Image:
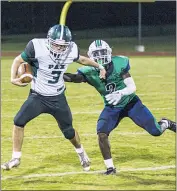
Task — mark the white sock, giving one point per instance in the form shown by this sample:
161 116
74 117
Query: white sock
164 125
79 150
109 163
16 154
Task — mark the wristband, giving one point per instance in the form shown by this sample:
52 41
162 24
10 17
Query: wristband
100 67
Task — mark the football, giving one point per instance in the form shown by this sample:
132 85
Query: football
25 71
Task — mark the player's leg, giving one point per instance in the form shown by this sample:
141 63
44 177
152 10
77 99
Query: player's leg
31 108
63 116
141 115
108 120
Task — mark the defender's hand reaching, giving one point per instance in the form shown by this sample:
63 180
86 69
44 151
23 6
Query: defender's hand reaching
102 72
114 97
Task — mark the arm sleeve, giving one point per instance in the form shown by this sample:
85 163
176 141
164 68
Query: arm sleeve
76 78
28 54
130 86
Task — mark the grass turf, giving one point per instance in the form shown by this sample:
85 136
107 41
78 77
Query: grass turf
45 151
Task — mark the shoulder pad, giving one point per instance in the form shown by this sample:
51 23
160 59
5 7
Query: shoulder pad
122 62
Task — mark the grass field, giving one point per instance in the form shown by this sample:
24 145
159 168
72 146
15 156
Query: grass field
49 162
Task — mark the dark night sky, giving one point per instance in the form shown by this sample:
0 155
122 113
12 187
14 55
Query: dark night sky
82 15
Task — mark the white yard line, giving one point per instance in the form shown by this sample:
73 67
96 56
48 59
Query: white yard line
90 172
150 76
87 96
94 112
82 135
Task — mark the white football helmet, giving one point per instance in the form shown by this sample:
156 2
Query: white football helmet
100 52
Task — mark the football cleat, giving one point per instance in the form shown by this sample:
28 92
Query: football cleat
84 160
171 124
110 171
11 164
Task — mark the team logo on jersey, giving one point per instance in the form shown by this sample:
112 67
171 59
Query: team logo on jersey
61 66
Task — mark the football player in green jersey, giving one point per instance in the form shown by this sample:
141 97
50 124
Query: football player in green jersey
118 93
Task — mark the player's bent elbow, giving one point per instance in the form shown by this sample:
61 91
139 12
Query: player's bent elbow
83 60
131 89
134 88
18 59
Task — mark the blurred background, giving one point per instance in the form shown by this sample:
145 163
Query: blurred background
123 25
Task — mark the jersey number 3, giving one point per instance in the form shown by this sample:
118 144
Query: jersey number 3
111 87
55 78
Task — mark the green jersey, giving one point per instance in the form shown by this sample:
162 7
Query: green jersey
114 81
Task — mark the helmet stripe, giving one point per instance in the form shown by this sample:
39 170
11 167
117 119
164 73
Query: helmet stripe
62 32
98 43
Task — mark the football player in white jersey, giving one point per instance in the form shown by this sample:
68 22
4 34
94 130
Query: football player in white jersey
49 59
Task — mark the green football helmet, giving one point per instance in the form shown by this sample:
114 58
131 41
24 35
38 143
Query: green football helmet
59 39
100 52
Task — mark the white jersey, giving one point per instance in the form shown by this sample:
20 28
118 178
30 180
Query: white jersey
48 73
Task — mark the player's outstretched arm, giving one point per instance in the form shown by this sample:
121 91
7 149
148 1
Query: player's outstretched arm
88 62
76 78
14 68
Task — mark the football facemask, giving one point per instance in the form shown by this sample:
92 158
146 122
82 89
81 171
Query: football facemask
100 52
100 56
57 48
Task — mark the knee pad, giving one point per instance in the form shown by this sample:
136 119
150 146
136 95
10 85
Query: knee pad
18 121
69 132
102 127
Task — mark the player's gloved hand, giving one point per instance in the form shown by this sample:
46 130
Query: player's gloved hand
17 82
102 72
114 97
